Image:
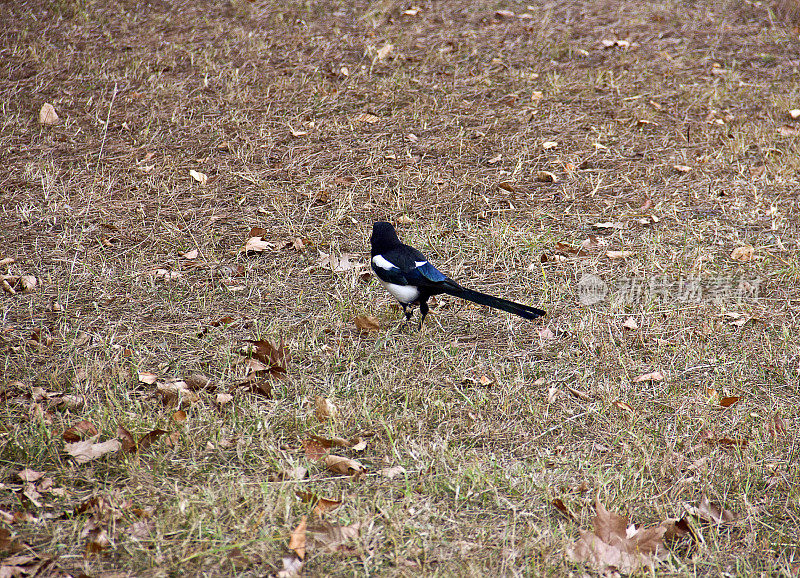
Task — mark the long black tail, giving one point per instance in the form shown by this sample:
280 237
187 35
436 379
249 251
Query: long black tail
524 311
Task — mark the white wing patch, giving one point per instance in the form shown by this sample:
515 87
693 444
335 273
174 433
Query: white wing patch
379 261
420 263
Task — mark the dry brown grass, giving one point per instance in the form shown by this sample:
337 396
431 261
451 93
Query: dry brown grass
220 88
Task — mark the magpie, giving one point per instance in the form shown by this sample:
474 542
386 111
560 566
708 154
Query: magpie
410 278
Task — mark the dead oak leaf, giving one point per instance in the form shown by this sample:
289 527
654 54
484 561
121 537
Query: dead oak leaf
331 537
255 245
712 512
339 263
615 545
275 357
87 450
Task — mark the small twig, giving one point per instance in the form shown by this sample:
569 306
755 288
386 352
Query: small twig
105 129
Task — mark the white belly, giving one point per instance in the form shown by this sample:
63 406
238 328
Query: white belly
403 293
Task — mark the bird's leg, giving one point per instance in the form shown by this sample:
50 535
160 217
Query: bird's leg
423 309
408 312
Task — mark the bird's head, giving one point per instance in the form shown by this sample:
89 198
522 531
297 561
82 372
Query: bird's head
383 237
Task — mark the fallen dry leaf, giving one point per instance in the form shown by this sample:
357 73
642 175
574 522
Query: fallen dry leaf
367 118
330 537
296 473
743 253
342 465
712 512
149 438
776 427
570 250
321 505
546 177
192 254
726 442
559 505
28 475
384 52
78 431
88 450
255 245
788 130
297 542
615 545
367 323
340 263
577 393
176 392
682 168
609 225
624 407
314 449
653 376
223 398
126 439
8 545
275 357
195 382
729 401
201 178
324 409
292 567
47 114
549 145
97 538
391 472
147 377
618 254
630 323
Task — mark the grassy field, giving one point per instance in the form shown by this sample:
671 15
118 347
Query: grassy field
540 151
